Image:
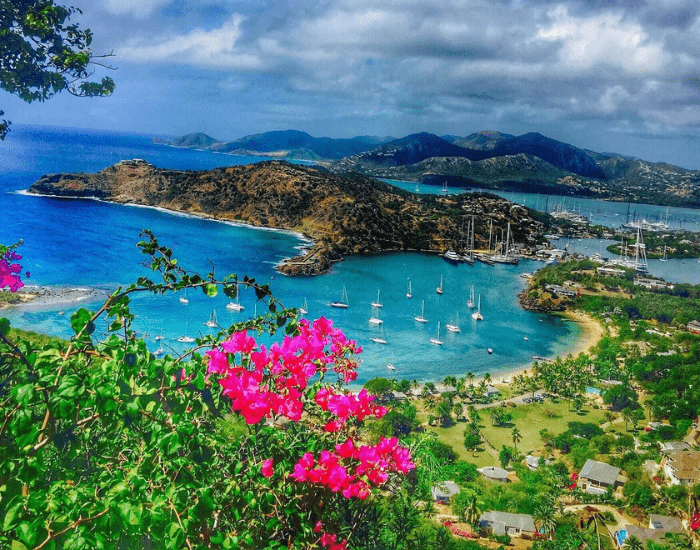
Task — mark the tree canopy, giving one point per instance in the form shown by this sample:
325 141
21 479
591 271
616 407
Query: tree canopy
42 53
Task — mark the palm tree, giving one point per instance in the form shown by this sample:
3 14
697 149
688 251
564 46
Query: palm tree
516 436
633 543
627 415
544 518
472 514
470 377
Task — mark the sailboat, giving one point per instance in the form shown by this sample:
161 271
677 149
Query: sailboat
421 318
437 340
439 288
303 310
664 258
185 338
236 304
379 339
390 366
160 351
455 327
469 258
375 319
444 187
183 299
377 303
408 292
470 302
477 316
212 322
343 303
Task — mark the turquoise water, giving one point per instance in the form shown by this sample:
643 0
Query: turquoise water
594 391
621 536
88 243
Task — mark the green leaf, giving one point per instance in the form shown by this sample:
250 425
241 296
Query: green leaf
13 514
23 394
4 326
210 290
79 319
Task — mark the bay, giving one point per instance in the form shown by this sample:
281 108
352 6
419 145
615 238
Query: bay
88 243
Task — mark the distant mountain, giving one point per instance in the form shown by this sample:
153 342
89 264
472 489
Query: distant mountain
198 141
559 154
285 144
407 150
485 140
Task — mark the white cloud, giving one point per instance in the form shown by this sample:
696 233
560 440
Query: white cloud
216 48
604 39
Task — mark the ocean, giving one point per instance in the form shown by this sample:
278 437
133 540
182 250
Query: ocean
85 243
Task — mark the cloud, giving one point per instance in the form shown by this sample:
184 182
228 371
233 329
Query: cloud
215 48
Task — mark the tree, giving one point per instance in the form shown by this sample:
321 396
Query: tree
472 438
621 397
516 436
43 54
506 456
544 519
633 543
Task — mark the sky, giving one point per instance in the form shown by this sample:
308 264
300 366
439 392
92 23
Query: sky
610 76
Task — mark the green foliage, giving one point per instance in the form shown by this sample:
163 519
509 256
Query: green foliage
379 386
621 397
585 429
105 446
42 53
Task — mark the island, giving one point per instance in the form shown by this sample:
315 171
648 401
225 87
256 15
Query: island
342 214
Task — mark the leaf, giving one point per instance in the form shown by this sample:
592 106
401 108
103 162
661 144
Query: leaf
210 290
23 394
13 514
4 326
79 319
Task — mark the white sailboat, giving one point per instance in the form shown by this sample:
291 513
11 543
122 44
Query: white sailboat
470 303
437 340
375 319
439 288
183 299
212 322
421 318
455 327
390 366
343 303
477 316
236 304
377 303
379 339
160 351
185 338
409 293
664 258
303 310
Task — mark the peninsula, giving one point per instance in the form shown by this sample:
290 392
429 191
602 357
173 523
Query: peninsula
342 214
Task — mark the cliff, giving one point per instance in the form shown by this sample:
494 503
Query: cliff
342 214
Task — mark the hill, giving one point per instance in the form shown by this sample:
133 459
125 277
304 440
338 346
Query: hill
284 144
343 214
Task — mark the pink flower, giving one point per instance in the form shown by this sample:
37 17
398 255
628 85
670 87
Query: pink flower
268 467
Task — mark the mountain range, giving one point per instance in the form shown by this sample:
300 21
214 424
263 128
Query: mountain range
489 159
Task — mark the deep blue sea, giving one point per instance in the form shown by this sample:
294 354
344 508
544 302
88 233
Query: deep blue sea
93 244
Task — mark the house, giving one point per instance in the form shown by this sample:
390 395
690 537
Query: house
682 467
595 477
444 491
504 523
605 271
495 473
490 391
396 396
694 327
533 462
658 527
668 447
444 388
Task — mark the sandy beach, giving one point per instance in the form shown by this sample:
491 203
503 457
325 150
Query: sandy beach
591 333
43 297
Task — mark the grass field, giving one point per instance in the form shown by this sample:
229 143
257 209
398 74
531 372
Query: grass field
529 419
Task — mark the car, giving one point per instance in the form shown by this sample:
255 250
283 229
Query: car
527 400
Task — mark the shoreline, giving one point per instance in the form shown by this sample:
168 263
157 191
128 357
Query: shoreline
47 297
592 332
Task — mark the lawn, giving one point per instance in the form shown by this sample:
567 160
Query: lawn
529 419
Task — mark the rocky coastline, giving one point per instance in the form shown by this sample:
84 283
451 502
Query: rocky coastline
341 214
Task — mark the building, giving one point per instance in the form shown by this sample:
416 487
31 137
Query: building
595 477
658 527
495 473
694 327
668 447
682 467
504 523
442 492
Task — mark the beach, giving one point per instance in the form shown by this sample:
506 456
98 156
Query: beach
43 297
